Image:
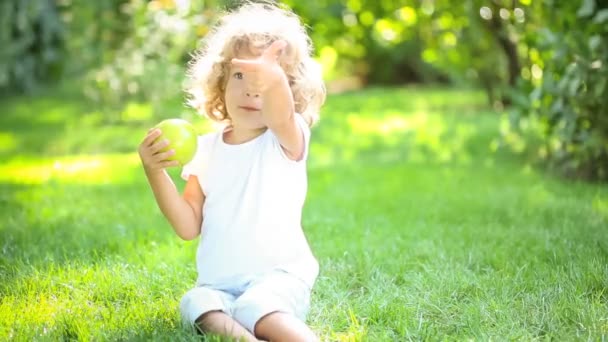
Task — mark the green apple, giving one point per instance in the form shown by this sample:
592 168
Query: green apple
182 138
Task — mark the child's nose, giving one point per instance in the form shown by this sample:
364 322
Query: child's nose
249 94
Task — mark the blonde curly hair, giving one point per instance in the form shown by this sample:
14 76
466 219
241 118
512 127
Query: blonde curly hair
255 26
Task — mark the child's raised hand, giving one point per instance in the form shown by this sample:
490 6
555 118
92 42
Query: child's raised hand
150 152
263 72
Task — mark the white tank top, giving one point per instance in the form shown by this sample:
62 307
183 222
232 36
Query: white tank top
254 196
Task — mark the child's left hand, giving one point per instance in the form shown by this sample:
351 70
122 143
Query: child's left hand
264 72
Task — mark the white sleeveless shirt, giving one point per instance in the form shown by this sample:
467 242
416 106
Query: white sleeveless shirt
252 213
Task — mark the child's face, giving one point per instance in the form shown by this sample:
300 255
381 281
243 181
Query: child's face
243 107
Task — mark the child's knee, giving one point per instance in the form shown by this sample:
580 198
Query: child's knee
278 293
199 301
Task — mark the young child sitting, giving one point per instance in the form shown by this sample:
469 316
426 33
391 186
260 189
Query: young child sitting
247 183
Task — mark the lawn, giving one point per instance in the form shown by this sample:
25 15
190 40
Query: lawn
424 227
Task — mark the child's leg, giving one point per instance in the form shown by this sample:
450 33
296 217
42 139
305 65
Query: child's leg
217 322
274 308
280 326
206 310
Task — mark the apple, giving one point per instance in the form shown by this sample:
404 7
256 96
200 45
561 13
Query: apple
182 138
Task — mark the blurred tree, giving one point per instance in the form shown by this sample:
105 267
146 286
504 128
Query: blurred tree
149 63
31 37
94 30
562 97
476 42
379 42
430 41
547 58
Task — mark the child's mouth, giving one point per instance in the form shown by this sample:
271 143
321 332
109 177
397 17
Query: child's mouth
249 109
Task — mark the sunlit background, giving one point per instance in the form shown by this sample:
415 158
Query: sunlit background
540 65
463 144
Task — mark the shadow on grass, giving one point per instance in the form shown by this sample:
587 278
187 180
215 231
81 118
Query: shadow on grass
49 225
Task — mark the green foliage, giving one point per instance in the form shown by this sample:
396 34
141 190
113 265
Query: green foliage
464 43
149 63
547 58
567 107
380 42
95 29
386 42
31 41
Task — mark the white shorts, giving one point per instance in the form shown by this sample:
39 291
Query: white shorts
249 301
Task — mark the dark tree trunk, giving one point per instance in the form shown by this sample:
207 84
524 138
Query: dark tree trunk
508 46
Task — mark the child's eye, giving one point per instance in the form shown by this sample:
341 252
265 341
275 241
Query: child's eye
238 75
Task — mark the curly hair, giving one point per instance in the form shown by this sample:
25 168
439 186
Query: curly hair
255 26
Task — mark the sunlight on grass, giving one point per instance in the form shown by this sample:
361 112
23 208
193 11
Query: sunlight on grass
393 125
538 195
416 136
356 331
600 206
86 169
392 122
8 142
43 301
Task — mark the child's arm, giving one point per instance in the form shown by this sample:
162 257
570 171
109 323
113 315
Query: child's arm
266 77
278 113
184 213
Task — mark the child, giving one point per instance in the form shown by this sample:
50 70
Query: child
247 182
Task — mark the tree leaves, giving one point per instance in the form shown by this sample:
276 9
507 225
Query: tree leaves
31 35
586 9
601 16
573 102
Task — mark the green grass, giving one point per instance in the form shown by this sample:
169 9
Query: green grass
421 230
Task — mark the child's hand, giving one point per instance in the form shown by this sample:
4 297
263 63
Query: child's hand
263 72
150 152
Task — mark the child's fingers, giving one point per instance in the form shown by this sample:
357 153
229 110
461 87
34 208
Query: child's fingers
245 64
274 50
159 145
152 135
161 156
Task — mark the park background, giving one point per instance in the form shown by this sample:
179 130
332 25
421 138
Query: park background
457 178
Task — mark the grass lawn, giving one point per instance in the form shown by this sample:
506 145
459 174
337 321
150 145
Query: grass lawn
423 229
